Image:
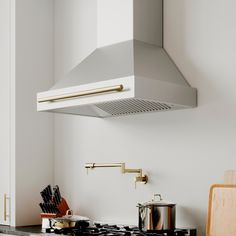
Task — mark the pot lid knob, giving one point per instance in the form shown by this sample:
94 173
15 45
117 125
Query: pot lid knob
157 195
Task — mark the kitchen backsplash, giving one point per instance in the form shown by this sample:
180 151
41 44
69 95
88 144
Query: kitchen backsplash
183 152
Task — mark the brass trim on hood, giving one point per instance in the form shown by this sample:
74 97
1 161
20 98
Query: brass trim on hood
115 88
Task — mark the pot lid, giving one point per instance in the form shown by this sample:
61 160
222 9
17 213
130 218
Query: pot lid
158 201
71 218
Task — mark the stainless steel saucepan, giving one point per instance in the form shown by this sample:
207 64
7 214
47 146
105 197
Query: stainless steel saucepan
157 215
68 221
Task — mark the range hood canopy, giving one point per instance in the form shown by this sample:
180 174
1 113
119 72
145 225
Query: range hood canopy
127 77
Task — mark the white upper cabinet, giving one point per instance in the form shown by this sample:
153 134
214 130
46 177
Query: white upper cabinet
5 110
26 136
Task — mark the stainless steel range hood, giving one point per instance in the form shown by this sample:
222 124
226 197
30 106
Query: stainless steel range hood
129 77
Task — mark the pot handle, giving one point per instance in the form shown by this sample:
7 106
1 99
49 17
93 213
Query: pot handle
69 212
139 205
157 195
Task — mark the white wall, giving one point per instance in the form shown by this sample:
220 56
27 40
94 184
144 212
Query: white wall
183 151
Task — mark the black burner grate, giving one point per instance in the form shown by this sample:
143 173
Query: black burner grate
114 230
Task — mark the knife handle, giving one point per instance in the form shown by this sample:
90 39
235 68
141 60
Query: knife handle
49 190
43 197
56 195
58 192
42 207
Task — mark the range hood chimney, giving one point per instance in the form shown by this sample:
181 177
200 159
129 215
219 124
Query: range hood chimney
128 73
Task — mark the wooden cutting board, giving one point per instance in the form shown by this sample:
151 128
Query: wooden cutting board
222 210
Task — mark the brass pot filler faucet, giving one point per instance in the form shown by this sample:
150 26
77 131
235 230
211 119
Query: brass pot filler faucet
139 178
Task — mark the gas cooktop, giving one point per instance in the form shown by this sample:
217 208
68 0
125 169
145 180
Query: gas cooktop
115 230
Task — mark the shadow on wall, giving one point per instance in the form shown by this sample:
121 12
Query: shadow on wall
186 40
196 215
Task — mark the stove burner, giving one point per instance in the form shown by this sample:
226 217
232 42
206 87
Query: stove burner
114 230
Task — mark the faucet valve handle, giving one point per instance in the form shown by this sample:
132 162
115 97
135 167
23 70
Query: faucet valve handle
143 179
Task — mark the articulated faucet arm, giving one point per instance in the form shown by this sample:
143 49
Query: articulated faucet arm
139 178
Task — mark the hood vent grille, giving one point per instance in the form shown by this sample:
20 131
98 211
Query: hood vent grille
132 106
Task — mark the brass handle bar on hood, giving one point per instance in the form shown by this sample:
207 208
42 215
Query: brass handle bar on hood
115 88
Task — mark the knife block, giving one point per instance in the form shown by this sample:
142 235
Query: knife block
62 208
